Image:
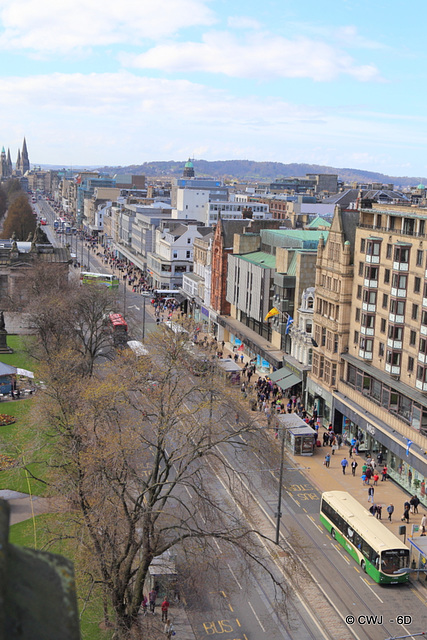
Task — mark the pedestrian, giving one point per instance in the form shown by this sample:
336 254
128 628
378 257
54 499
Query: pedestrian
169 630
368 474
414 502
237 419
165 608
423 525
344 464
380 457
375 478
353 467
327 460
406 509
390 510
372 509
144 605
350 452
371 494
325 438
363 478
378 511
384 473
152 597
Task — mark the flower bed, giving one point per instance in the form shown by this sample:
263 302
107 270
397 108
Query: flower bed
7 462
6 419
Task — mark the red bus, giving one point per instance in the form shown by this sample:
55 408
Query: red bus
119 328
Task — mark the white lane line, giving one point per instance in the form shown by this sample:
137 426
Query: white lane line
382 601
234 576
343 557
254 612
188 491
318 527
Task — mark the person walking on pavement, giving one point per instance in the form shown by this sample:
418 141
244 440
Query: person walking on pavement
353 467
344 464
414 502
390 510
384 473
169 630
152 597
423 525
327 460
406 508
165 608
378 511
371 494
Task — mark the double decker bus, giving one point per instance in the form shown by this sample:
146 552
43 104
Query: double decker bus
374 547
107 279
119 328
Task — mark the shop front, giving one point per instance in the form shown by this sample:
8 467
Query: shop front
321 400
405 461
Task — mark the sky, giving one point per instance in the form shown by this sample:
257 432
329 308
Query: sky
339 83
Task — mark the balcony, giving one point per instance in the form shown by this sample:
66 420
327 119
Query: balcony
421 386
400 266
423 330
395 319
422 357
392 369
424 302
394 344
366 355
372 259
369 307
370 284
398 293
367 331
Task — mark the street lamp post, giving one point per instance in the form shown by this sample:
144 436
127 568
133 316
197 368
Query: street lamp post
279 502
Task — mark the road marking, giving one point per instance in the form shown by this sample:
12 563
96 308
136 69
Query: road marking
223 593
245 636
238 623
231 608
364 580
318 527
217 545
133 306
234 576
254 612
343 557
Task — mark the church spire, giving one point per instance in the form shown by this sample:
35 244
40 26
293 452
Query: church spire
25 161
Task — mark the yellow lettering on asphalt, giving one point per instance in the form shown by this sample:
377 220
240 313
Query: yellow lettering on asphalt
210 628
225 626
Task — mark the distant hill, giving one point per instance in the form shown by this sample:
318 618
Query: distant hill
258 171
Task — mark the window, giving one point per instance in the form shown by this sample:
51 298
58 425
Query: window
358 315
323 340
362 245
334 375
188 240
373 248
175 254
410 363
188 254
385 301
361 268
412 338
395 332
371 273
401 254
424 317
414 311
417 285
386 276
369 297
393 358
335 343
397 307
366 344
359 291
383 325
420 254
399 281
381 349
356 337
389 250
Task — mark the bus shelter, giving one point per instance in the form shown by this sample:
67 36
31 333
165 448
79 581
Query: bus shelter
299 436
163 577
418 551
230 369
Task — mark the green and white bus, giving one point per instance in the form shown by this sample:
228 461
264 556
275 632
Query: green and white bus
374 547
106 279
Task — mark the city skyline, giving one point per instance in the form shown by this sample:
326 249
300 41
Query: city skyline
332 84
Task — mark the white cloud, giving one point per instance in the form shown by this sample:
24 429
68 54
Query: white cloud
66 25
243 22
265 56
120 118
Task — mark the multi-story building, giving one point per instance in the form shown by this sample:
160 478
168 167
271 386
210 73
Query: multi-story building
378 389
196 286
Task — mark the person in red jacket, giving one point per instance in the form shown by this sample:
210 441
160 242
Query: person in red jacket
165 608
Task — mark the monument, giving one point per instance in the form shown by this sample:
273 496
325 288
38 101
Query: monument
3 336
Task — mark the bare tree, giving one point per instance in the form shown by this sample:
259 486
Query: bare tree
133 449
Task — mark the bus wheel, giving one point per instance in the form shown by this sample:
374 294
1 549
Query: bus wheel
363 565
333 534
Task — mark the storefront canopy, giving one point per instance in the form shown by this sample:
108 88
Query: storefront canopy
284 378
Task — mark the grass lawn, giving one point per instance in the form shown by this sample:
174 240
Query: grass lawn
20 357
22 534
13 440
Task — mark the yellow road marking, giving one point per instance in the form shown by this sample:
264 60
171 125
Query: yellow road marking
223 594
231 608
238 623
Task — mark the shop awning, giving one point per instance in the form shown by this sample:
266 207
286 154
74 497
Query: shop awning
284 378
